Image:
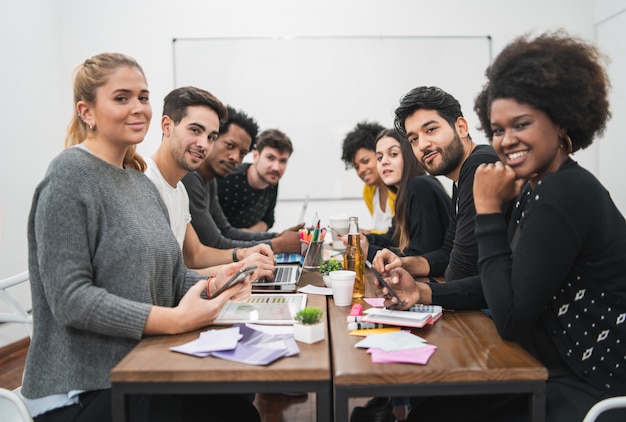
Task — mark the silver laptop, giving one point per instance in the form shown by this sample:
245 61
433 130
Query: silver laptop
286 277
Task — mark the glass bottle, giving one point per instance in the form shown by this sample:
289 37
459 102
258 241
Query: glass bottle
354 259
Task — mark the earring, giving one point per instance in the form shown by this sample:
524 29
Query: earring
91 127
567 143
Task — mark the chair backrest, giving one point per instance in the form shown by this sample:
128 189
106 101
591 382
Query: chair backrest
12 408
604 405
18 314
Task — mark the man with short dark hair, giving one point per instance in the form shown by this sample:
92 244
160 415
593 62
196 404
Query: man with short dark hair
432 121
248 194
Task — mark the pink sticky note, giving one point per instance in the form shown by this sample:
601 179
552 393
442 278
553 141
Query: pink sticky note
419 356
377 302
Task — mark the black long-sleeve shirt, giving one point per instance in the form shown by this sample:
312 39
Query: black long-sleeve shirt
208 219
458 256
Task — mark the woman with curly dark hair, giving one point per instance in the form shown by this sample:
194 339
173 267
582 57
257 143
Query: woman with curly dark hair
557 283
555 278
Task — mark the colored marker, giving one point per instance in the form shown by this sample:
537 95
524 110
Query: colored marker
363 325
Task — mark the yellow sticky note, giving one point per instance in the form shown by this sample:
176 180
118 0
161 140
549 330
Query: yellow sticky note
366 332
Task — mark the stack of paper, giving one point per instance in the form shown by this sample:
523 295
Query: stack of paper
412 318
398 346
241 344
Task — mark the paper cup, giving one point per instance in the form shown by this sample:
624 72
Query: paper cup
342 282
339 224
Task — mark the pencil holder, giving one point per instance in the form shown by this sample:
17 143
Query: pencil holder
313 253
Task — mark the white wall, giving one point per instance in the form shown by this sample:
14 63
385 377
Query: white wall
610 36
41 41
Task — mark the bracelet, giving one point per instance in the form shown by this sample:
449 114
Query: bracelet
235 259
208 286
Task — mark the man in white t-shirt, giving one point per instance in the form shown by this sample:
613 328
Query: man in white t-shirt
190 125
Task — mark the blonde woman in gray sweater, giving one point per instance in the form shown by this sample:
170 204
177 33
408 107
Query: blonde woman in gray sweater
105 267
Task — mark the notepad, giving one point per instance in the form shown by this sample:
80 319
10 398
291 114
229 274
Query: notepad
403 318
263 309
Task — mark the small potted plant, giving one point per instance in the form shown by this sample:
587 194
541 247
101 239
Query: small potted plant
308 327
327 267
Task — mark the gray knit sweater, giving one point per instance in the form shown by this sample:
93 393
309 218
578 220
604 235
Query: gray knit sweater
101 252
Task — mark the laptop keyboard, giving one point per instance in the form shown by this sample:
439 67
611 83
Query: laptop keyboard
283 274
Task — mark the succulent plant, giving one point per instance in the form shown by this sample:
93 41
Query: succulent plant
330 265
308 316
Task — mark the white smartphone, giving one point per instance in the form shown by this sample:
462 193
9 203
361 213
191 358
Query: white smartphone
238 277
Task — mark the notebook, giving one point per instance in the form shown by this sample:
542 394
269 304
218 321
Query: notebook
286 277
416 317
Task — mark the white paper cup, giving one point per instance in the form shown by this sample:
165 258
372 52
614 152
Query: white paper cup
342 282
339 224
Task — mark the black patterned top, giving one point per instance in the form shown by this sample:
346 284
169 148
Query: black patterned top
562 267
243 205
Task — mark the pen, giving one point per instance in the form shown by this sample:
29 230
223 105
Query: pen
316 232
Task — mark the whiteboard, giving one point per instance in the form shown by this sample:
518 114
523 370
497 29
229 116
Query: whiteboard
316 89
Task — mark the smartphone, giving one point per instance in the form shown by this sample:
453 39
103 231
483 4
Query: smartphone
238 277
382 281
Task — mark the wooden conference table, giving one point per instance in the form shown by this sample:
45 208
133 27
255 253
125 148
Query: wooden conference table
471 359
151 368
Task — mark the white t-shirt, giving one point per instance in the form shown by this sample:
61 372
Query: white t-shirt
176 200
382 219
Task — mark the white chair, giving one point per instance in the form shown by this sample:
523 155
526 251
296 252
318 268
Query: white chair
18 314
14 409
604 405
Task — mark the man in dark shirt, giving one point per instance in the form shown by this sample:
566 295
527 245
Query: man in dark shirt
432 121
248 194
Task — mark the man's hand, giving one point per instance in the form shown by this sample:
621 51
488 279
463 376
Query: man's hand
385 261
264 265
261 248
287 242
292 229
405 286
